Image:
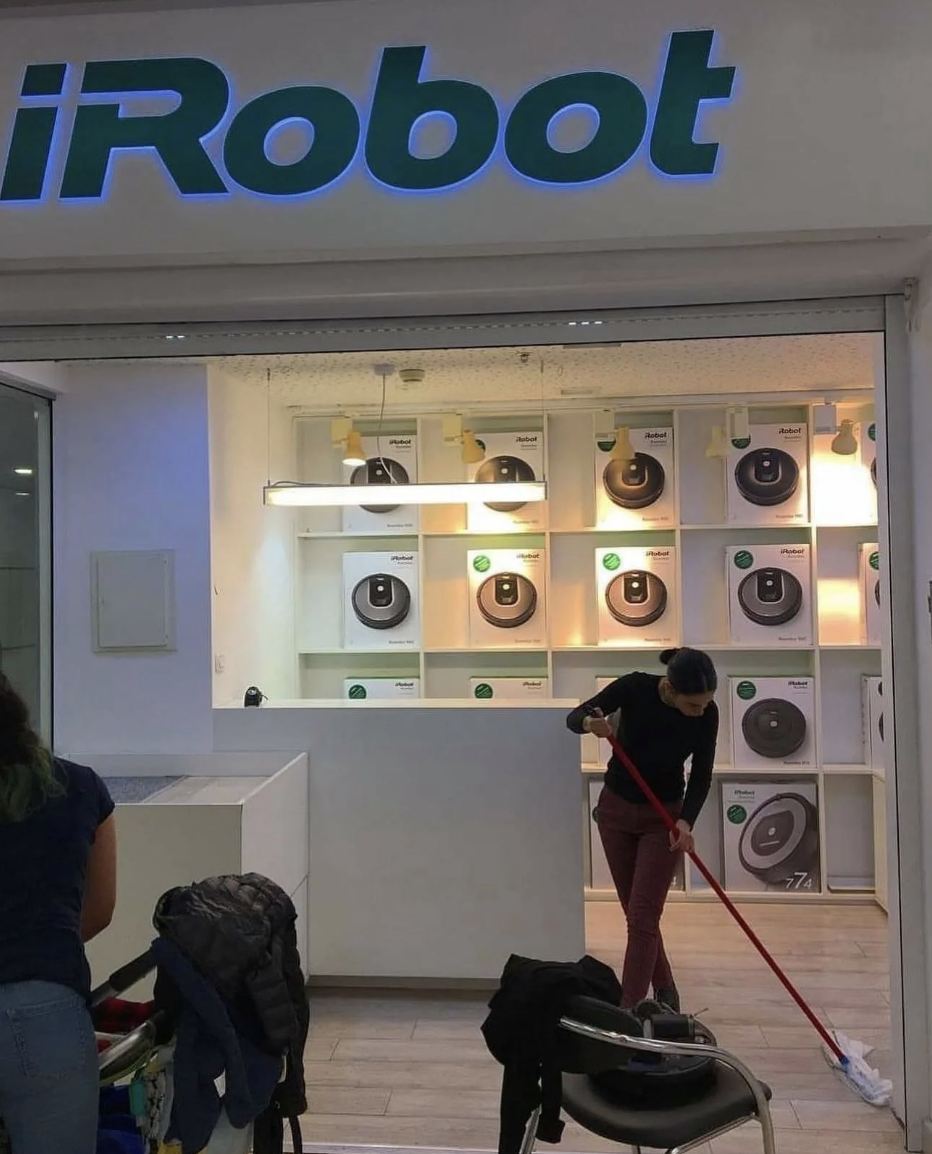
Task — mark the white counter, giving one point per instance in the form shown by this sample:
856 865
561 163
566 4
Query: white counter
442 836
251 820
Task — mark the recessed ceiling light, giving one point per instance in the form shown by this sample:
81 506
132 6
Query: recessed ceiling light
23 472
21 494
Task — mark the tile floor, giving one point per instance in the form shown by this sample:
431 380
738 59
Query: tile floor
412 1070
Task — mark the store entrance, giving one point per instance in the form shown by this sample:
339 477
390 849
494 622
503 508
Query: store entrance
298 613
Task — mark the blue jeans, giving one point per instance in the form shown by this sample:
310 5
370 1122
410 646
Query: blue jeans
48 1070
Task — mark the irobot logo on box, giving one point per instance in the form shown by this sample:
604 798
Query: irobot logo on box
74 120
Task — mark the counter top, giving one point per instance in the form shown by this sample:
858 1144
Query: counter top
145 790
426 703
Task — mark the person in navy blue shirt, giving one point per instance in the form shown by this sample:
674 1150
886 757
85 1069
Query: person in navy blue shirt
57 891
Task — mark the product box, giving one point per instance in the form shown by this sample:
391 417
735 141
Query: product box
869 571
772 722
388 458
767 476
508 457
381 601
872 720
769 595
382 688
509 688
507 597
770 832
640 493
636 588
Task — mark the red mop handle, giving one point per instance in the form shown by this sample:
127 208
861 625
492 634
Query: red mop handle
726 900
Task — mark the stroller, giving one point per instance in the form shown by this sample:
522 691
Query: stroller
135 1043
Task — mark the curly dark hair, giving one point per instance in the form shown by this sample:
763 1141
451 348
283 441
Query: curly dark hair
27 772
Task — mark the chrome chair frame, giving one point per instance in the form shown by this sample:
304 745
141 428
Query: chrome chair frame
761 1113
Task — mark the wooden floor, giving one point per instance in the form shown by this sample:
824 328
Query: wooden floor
403 1070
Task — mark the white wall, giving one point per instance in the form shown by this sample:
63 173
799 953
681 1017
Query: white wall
130 471
252 547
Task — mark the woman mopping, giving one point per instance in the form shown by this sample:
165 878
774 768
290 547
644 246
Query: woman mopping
661 722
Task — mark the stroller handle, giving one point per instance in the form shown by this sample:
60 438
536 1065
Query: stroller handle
123 978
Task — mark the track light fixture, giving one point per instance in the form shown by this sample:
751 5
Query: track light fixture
845 444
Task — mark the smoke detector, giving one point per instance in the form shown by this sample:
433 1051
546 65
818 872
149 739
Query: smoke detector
409 377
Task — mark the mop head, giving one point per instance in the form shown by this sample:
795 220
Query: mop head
857 1072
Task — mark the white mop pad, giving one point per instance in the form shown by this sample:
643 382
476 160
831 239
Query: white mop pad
857 1072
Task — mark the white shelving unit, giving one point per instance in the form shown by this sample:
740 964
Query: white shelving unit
843 515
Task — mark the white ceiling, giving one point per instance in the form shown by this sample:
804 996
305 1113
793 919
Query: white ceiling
564 375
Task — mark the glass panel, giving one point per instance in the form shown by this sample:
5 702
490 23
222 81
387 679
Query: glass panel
24 541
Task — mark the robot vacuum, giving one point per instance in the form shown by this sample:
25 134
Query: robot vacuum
880 718
780 838
634 484
874 472
381 601
774 728
770 596
767 477
504 470
507 600
636 598
877 590
379 471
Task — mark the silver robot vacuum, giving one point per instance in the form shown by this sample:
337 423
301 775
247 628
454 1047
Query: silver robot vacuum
381 601
634 484
379 471
780 838
767 477
636 598
504 470
770 596
507 600
774 728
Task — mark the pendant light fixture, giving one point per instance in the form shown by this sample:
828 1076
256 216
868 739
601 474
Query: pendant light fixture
344 436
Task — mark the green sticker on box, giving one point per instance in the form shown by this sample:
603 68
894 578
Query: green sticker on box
744 559
481 564
484 690
611 561
357 692
746 690
874 560
737 814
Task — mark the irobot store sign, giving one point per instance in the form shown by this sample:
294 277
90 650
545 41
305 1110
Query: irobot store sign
62 145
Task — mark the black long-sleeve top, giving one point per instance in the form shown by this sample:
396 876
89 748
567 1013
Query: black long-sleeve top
658 739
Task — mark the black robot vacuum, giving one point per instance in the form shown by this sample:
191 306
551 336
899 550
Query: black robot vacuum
880 718
770 596
634 484
874 472
877 590
379 471
780 838
636 598
504 470
507 600
767 476
381 601
774 728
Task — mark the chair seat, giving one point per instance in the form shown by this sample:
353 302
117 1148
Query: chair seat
716 1108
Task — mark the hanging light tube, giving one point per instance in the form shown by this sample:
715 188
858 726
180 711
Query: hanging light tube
447 493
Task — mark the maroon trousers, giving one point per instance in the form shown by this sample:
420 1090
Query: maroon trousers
637 846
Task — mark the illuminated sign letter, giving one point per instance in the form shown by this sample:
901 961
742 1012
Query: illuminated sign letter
401 100
101 129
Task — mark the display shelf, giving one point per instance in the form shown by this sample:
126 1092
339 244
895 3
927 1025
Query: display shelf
841 515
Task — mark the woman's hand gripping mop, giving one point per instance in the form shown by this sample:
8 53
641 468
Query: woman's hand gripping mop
844 1055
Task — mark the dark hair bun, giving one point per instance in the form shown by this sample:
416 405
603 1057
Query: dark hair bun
690 671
